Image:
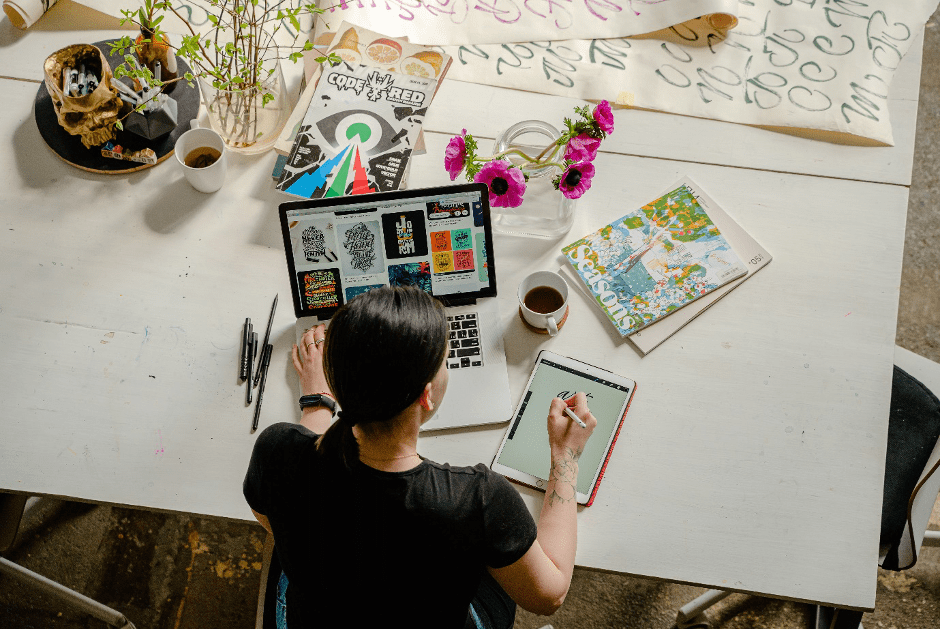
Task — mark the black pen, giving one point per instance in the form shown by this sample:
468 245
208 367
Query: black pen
248 351
264 343
253 351
265 360
243 365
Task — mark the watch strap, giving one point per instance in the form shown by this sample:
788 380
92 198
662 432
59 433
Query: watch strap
318 399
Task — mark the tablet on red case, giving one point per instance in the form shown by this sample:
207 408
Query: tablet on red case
524 453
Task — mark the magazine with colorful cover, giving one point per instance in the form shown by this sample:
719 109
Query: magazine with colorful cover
654 260
359 46
748 249
358 133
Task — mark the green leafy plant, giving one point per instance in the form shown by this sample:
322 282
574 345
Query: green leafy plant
236 56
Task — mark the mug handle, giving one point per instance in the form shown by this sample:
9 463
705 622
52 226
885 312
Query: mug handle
551 326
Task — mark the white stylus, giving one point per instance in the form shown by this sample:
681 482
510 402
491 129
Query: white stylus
569 412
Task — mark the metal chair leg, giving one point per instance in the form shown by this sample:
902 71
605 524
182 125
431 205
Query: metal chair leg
70 597
835 618
691 614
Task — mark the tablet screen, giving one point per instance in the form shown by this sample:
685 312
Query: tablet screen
527 443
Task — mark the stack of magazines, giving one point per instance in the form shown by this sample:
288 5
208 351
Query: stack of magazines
654 270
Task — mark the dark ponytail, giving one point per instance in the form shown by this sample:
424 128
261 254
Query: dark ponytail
381 349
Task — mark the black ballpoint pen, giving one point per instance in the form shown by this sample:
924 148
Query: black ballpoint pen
263 370
243 356
248 351
264 343
252 352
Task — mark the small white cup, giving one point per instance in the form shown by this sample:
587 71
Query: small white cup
209 178
542 309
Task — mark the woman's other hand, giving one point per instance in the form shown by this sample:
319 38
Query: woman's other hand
308 362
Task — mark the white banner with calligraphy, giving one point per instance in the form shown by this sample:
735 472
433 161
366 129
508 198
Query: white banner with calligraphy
449 22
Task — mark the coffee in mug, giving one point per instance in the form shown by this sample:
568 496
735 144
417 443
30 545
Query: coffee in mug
202 156
543 299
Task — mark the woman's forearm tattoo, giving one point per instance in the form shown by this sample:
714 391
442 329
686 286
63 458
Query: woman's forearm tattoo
563 475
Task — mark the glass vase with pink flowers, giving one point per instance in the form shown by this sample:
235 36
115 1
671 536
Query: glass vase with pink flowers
536 172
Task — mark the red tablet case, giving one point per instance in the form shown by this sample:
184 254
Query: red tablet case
604 466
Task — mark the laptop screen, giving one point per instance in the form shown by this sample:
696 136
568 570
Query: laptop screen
438 239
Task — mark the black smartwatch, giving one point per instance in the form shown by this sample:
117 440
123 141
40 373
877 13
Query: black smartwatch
318 399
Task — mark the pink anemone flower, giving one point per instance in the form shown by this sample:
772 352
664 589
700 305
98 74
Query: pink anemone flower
603 116
506 184
582 148
454 155
576 180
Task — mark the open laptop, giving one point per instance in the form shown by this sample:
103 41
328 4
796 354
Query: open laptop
438 239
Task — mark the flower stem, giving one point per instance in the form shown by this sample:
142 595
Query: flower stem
509 152
532 160
554 146
558 165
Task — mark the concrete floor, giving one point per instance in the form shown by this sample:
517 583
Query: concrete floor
170 571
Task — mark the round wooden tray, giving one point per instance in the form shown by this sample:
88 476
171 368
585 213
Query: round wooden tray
70 148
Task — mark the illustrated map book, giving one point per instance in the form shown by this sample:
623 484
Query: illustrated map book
655 260
358 134
748 249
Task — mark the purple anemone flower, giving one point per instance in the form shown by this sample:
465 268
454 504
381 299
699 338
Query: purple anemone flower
603 116
455 154
506 184
582 148
576 180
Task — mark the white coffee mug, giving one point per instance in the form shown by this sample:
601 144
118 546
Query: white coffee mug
544 299
207 178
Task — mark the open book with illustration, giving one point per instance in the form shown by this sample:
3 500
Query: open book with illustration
654 260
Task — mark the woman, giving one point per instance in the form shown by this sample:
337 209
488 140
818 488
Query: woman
367 532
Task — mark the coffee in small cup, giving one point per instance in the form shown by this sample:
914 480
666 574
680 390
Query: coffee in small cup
202 156
543 299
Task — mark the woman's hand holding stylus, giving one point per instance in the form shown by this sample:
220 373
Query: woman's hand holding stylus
566 437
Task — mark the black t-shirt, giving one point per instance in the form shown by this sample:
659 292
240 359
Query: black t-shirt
370 546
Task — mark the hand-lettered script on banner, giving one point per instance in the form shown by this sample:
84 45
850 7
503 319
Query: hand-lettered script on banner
448 22
825 65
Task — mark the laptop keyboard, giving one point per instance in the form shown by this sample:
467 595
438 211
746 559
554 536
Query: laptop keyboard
464 342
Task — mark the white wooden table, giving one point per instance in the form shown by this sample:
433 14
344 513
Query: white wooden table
753 454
